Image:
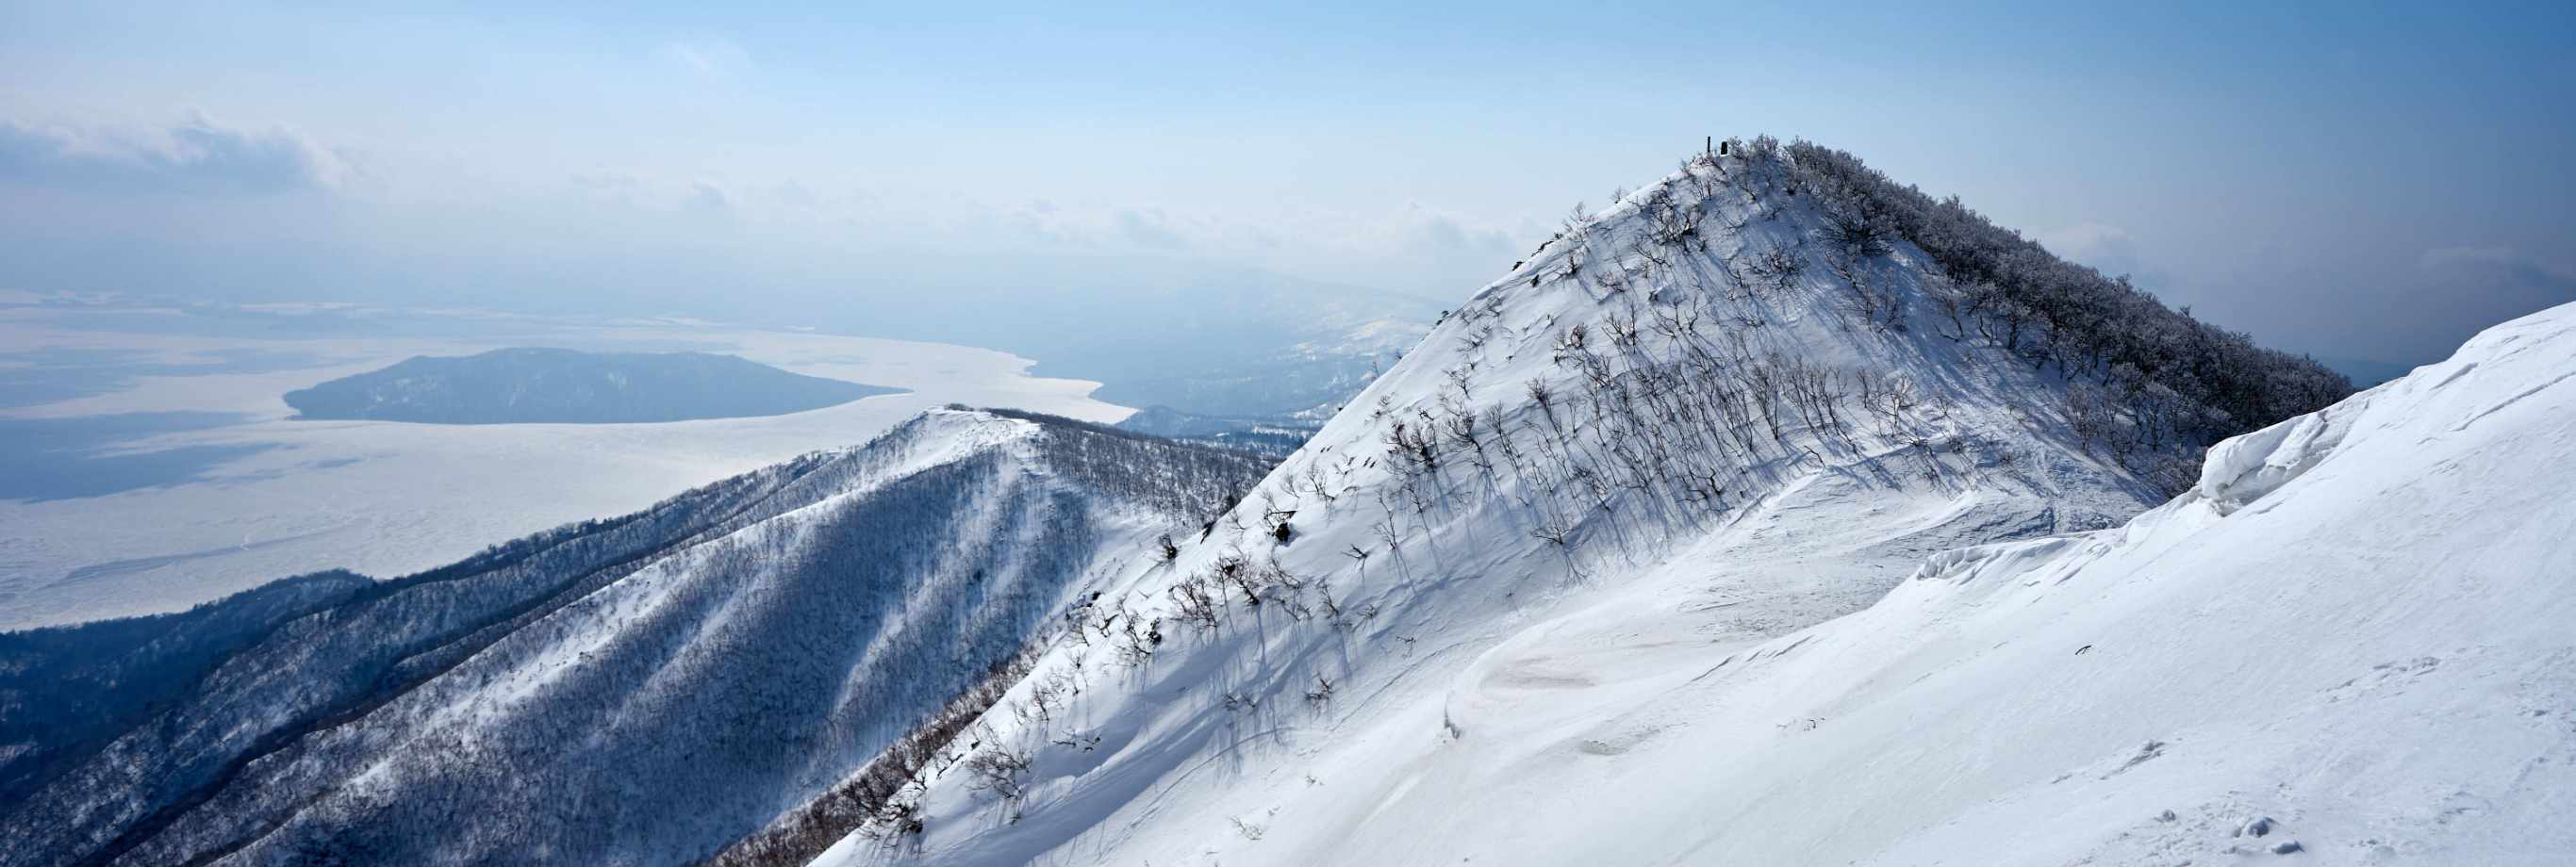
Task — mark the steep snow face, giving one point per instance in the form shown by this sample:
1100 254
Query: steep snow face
2352 639
1453 623
643 690
2349 643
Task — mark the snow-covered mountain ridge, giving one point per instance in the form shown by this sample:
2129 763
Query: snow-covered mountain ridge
1611 568
2349 642
645 689
1499 603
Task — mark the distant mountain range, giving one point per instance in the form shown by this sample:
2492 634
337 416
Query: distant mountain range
2366 372
1276 436
1335 352
526 385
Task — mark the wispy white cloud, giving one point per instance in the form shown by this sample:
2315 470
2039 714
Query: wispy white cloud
1148 228
709 56
707 197
198 155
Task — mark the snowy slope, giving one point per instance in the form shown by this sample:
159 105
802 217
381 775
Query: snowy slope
639 690
2354 632
2356 628
1519 569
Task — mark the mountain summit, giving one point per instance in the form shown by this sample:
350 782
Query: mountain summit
1506 598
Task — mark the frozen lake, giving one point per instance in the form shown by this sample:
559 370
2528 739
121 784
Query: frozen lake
152 466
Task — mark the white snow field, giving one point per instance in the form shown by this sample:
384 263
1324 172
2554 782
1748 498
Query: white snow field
390 498
1655 602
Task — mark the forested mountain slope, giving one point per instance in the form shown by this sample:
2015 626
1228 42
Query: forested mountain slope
642 690
1467 618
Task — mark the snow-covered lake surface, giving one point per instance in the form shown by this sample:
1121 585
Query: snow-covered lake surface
154 466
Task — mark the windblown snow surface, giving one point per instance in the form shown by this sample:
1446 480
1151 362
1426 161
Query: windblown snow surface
1910 638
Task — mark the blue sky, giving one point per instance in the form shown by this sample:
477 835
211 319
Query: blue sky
2357 182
